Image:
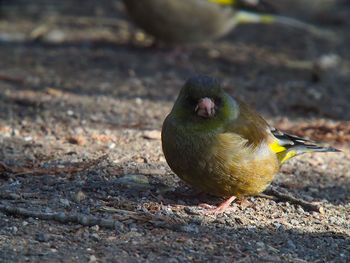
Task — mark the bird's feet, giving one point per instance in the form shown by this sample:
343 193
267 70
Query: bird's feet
214 210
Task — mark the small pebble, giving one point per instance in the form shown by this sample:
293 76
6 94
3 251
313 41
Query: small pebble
55 36
277 225
14 196
95 236
65 202
86 210
31 220
92 259
291 244
14 229
260 244
80 196
189 228
294 222
138 181
48 210
138 101
42 237
191 210
27 138
112 145
328 61
95 228
152 135
196 221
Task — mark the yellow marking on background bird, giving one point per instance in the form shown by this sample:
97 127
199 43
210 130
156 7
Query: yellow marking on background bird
243 17
223 2
268 19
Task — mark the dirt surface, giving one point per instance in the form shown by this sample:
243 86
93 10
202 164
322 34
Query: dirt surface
83 95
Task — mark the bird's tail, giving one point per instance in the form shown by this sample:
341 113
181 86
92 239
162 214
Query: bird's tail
251 17
287 146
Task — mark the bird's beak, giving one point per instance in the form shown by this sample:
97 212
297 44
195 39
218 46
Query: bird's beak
205 108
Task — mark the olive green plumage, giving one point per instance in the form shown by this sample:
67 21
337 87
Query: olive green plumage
181 21
189 21
233 152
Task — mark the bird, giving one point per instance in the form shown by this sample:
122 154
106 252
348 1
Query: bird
193 21
220 145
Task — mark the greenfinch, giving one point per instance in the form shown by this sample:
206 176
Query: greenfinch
189 21
221 146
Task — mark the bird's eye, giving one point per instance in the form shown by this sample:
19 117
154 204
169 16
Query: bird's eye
217 101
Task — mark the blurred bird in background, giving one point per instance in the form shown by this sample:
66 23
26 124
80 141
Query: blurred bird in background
190 21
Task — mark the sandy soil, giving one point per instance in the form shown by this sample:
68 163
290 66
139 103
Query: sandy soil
82 176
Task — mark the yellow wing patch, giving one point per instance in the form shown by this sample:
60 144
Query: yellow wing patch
276 148
288 156
281 152
223 2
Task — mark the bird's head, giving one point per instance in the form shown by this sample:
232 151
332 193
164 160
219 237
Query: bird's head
203 105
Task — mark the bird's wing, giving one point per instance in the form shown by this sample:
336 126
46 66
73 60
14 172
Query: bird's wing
250 125
287 146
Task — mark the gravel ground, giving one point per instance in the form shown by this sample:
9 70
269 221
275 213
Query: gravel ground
83 95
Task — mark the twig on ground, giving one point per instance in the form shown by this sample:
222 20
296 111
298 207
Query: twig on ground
162 221
5 168
62 218
19 171
282 197
7 78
